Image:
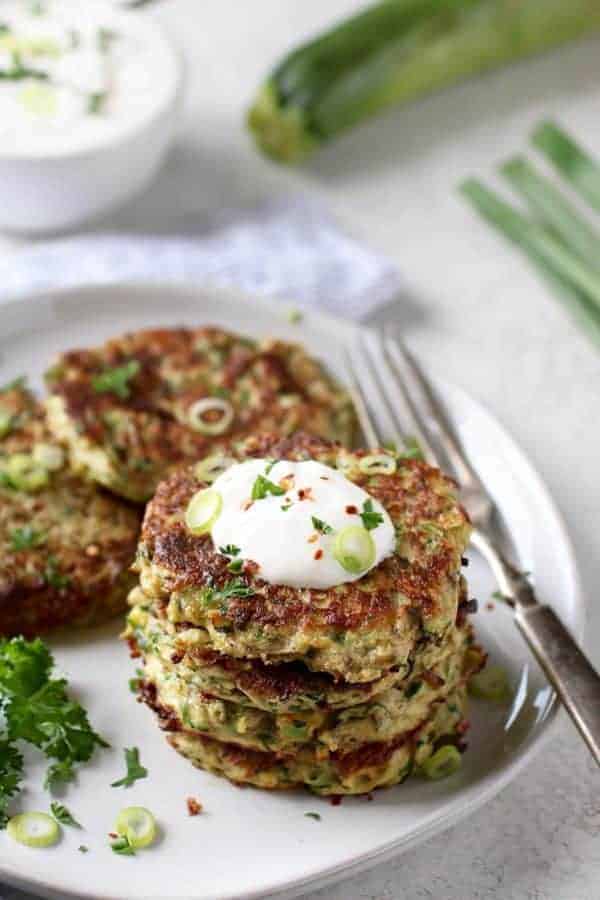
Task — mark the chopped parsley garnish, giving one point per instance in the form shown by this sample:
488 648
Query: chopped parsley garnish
270 464
116 381
122 846
413 689
287 506
134 683
106 36
83 849
62 815
36 708
6 481
135 770
262 486
229 550
313 815
96 102
236 565
411 449
234 588
14 385
37 8
370 517
53 576
19 72
6 423
321 526
26 538
11 775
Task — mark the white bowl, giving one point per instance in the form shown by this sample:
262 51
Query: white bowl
48 189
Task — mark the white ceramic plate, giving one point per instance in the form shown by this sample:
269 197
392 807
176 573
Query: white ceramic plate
249 843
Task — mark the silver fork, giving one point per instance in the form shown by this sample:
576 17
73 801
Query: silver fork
390 370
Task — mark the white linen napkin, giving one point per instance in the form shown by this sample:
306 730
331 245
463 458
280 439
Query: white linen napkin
291 249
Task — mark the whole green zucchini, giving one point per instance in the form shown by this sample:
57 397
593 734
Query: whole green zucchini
397 50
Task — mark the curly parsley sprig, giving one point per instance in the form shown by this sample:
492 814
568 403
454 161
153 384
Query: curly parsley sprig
37 709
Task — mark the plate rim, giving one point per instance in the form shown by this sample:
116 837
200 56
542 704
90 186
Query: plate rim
489 785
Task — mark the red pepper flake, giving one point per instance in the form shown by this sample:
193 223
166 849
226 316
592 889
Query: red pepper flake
335 800
247 504
194 807
463 726
491 606
369 797
318 554
351 510
305 494
113 835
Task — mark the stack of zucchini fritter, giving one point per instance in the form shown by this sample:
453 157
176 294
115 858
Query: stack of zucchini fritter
342 690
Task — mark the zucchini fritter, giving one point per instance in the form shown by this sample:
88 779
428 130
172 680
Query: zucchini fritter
133 409
65 545
383 717
356 631
369 766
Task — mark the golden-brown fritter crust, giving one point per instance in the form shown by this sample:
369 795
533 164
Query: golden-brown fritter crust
355 631
380 719
284 687
372 765
130 442
65 548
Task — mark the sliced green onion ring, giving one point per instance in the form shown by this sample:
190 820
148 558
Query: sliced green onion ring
377 464
209 469
443 763
354 549
49 456
203 511
25 473
34 829
197 415
491 684
138 825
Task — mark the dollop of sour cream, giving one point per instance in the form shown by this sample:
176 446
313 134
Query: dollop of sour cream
73 73
291 534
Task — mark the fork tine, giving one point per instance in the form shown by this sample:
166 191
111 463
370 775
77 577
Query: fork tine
390 426
431 415
368 429
397 397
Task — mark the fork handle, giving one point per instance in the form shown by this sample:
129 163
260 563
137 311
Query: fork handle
567 668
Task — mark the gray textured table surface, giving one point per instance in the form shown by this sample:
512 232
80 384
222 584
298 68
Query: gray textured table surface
473 310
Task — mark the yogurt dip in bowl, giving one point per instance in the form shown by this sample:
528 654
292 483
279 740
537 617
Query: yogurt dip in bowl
88 107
